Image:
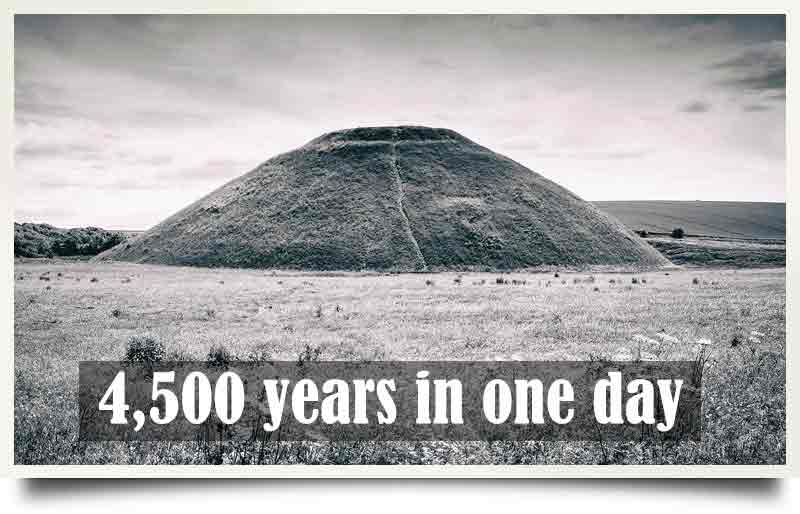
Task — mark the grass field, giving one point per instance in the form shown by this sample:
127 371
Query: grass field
66 312
721 252
752 220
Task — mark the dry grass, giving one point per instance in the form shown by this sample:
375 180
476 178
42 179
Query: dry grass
258 314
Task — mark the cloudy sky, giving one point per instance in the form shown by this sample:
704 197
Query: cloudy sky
123 120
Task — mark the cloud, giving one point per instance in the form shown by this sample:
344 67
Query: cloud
757 69
614 155
759 81
696 107
212 169
79 151
150 112
755 108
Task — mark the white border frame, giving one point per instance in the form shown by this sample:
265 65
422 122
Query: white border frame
397 471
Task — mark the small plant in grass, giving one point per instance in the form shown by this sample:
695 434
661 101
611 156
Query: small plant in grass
116 313
219 356
144 349
309 354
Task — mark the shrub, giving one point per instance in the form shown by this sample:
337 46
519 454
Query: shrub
429 282
642 233
310 354
696 281
634 280
219 356
94 279
116 313
500 280
146 349
678 233
457 280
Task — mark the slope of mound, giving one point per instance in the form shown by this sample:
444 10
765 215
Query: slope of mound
752 220
390 198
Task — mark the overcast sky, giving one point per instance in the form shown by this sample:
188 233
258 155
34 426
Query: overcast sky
123 120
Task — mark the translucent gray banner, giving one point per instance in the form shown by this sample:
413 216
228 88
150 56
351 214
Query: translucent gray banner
388 401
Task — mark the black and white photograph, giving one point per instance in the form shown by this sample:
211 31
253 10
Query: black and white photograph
263 240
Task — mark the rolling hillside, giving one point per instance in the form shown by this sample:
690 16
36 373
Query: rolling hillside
749 220
43 240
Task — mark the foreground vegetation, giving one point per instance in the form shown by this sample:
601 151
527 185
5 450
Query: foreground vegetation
68 312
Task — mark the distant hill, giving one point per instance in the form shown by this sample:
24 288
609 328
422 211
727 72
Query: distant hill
389 198
42 240
751 220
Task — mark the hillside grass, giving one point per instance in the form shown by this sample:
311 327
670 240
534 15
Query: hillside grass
717 253
89 311
752 220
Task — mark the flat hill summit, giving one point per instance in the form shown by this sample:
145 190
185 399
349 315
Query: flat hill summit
389 198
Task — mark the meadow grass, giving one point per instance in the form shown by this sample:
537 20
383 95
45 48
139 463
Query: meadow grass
199 314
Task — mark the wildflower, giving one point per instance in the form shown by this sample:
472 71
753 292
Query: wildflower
667 338
622 354
645 340
645 356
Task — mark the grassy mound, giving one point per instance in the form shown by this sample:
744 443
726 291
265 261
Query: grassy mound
390 198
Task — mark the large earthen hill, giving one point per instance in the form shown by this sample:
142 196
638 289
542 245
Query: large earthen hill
389 198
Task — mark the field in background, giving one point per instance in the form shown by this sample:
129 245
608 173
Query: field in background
66 312
750 220
721 252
